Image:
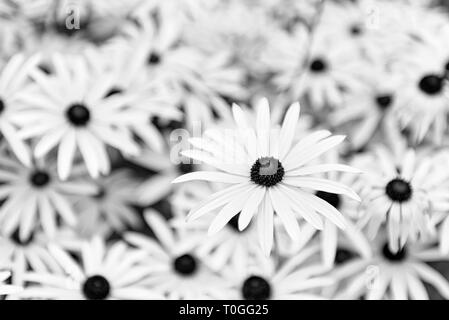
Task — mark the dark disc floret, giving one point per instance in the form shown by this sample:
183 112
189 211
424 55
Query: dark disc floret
318 65
399 190
392 256
154 58
431 84
78 114
39 178
256 288
343 255
384 101
267 172
185 265
356 30
96 288
332 198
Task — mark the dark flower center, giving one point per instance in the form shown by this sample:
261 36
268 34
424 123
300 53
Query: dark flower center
154 58
39 178
332 198
318 65
23 243
394 257
2 106
343 255
267 172
78 114
384 101
113 91
431 84
185 265
256 288
356 29
398 190
96 288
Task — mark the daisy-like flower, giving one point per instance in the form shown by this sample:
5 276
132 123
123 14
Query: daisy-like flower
25 255
6 289
111 205
35 196
370 109
13 82
423 101
104 272
196 80
400 193
69 110
323 74
268 175
230 246
297 278
386 274
152 99
176 270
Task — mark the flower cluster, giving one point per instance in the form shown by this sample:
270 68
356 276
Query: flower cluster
212 149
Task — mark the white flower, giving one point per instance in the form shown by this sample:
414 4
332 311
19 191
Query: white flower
151 98
268 174
369 109
104 272
402 274
175 268
323 74
297 278
25 255
69 110
34 196
400 193
13 82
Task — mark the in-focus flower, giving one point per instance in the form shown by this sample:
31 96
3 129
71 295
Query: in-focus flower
35 196
175 268
268 175
69 110
103 273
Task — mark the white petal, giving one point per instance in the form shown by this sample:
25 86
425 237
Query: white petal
322 185
211 176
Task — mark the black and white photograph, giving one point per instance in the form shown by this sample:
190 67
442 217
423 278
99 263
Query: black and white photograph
216 154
